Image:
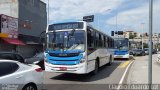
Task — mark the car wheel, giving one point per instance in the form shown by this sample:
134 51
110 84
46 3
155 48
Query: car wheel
30 87
96 68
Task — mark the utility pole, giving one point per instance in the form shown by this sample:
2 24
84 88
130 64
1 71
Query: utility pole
150 44
48 13
142 33
116 23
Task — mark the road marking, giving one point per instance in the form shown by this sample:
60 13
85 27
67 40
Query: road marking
123 65
124 74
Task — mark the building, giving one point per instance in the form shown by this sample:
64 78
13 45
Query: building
130 34
32 20
138 40
155 35
124 34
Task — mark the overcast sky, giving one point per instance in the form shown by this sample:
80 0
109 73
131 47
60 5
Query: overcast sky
130 13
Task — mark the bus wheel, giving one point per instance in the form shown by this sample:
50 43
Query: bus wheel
110 60
96 68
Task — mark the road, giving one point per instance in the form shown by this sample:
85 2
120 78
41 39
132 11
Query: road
120 72
136 73
107 75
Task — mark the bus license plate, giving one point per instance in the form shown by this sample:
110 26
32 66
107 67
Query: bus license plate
63 68
119 57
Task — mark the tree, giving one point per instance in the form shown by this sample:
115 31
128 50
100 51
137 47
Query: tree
131 36
145 45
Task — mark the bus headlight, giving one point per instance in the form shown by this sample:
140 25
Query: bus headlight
45 57
45 60
82 60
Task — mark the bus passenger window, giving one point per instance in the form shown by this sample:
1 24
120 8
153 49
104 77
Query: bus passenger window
90 37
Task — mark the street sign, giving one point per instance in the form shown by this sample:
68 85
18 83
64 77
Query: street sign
112 33
88 18
3 35
9 26
120 32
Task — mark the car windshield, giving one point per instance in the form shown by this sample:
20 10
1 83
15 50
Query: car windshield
67 40
138 50
146 49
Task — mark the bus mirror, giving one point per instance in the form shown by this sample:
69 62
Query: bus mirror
72 32
120 47
61 45
131 53
42 37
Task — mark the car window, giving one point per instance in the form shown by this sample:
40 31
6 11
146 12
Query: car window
7 56
7 68
14 67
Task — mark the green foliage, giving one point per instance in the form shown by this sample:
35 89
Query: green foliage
132 36
145 45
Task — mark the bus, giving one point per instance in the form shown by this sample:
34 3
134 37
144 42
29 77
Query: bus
76 47
121 48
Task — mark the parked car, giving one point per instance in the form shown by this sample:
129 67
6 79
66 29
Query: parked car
38 59
12 56
138 52
146 50
20 76
154 51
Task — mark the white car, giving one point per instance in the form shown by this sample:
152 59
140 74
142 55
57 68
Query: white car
18 76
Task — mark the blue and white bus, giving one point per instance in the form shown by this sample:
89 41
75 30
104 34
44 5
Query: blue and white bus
121 48
76 47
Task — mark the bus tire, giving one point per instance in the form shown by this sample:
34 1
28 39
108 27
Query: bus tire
96 68
110 60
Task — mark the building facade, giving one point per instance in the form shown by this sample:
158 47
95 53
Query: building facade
130 34
138 40
32 20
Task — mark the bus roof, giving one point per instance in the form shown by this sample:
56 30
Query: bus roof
87 24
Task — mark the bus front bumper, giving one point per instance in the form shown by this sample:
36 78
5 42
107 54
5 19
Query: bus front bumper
77 69
121 56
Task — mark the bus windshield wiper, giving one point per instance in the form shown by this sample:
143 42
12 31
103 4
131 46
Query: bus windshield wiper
70 36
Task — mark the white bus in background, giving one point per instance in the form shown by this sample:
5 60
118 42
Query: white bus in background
76 47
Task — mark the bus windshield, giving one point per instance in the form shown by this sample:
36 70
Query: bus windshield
67 40
121 44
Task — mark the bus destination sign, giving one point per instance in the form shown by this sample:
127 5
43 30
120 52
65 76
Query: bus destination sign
61 26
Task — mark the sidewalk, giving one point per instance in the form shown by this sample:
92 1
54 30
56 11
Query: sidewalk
138 73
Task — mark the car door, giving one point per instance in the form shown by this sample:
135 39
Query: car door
10 73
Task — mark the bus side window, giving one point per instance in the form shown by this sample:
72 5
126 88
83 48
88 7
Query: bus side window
96 40
100 40
90 37
104 41
108 41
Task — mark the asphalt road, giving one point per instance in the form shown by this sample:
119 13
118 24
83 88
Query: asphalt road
107 75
